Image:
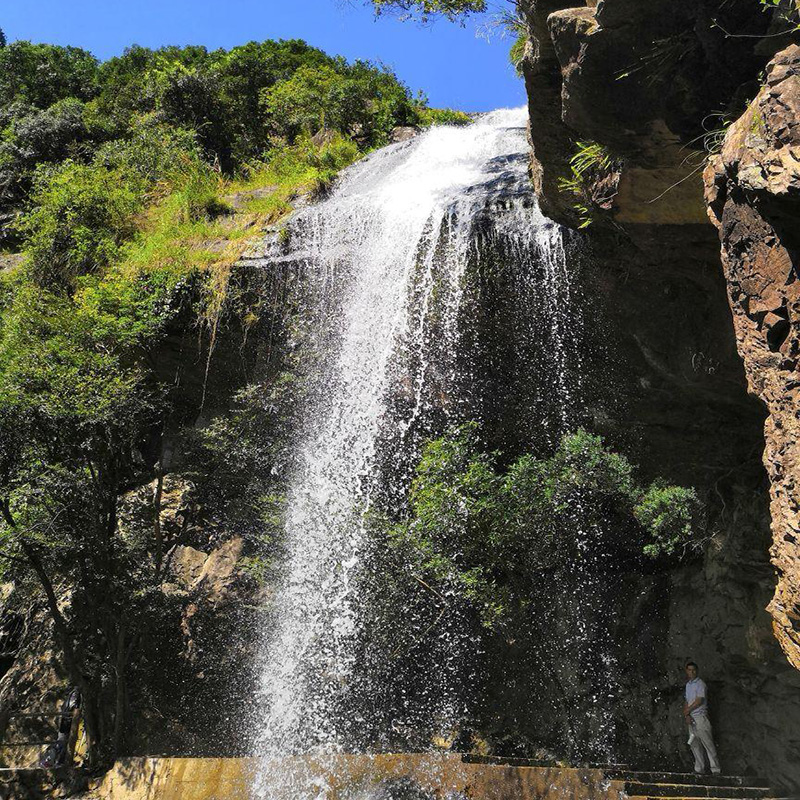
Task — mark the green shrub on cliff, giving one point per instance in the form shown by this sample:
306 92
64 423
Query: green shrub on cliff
81 216
452 9
494 532
589 165
516 54
788 9
441 116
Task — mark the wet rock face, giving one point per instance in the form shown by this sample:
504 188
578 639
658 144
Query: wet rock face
753 194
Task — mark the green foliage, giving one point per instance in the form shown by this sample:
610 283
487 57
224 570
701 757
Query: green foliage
43 74
669 514
789 9
451 9
152 151
358 100
757 124
51 361
237 105
589 162
32 137
232 100
517 51
426 117
74 402
307 164
493 533
82 215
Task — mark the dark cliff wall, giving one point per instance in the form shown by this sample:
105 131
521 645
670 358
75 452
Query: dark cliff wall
655 85
663 383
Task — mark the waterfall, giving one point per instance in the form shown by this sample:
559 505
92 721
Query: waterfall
385 257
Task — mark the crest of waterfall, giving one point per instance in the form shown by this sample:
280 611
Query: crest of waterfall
386 257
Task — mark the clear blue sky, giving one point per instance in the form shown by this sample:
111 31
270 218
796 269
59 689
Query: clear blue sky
453 65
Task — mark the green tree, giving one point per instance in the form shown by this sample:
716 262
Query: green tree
73 405
34 137
495 533
245 72
451 9
82 215
42 74
359 100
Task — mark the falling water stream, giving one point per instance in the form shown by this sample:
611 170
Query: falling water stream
385 257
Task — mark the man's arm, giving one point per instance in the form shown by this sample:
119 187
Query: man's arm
696 703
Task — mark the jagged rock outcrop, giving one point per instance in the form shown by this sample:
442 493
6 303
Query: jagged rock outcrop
647 81
753 193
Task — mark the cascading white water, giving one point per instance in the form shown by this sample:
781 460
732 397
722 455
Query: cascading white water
384 254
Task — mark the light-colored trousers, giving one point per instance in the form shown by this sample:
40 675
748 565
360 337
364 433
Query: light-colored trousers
703 742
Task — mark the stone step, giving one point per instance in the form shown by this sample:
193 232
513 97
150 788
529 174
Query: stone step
693 797
647 797
690 778
695 790
513 761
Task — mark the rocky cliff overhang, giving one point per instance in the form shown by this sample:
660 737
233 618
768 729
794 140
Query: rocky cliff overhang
652 82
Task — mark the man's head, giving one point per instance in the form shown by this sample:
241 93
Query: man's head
691 670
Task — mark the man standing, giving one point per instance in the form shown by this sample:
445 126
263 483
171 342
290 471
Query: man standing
695 712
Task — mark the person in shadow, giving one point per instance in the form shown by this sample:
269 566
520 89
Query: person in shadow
695 712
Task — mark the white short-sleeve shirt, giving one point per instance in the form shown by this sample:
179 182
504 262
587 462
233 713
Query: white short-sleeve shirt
694 689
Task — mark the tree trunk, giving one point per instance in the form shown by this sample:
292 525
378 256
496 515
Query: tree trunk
159 536
119 687
70 659
62 634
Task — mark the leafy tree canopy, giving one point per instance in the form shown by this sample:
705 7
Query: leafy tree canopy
58 102
452 9
493 533
42 74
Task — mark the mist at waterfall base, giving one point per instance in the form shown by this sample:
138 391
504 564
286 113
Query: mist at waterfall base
437 293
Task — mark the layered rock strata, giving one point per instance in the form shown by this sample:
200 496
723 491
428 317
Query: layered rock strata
753 195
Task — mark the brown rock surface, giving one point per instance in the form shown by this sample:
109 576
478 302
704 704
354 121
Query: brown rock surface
753 193
647 81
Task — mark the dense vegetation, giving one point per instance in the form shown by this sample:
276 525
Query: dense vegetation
118 182
494 533
452 9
